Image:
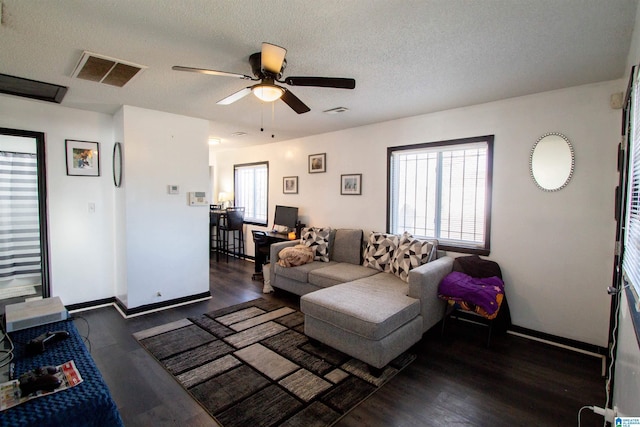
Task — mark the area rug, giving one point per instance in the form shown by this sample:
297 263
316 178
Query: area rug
252 365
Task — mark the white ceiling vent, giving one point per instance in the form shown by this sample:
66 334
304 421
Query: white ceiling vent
336 110
102 69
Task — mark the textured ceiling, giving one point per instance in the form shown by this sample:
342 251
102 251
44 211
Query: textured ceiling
408 57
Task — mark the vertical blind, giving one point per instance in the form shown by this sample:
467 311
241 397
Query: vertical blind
20 262
631 258
440 192
251 190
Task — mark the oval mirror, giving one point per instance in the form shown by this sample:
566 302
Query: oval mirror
117 164
552 162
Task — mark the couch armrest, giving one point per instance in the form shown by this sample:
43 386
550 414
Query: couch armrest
423 284
274 250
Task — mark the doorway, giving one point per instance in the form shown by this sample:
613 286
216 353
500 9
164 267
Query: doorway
24 261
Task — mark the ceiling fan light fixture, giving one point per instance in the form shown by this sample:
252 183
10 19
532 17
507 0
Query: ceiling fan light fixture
267 92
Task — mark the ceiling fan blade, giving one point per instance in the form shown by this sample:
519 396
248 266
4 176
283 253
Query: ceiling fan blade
337 82
272 57
294 102
211 72
235 96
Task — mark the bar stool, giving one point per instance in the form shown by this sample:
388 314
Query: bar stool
234 224
262 248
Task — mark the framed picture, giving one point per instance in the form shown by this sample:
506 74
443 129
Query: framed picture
351 184
317 163
83 158
290 185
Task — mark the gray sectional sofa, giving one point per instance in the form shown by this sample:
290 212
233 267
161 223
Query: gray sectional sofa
370 314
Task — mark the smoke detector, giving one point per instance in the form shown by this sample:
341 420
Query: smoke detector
102 69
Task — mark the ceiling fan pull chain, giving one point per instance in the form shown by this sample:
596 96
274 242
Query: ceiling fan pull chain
273 117
261 116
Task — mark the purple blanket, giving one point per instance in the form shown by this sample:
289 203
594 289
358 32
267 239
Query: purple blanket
485 293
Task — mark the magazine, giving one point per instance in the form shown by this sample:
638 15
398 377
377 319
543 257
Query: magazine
11 394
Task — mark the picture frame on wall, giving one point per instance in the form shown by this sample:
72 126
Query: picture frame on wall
351 184
318 163
290 185
83 157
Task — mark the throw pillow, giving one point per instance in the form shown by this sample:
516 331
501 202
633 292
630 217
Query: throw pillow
318 240
412 253
380 250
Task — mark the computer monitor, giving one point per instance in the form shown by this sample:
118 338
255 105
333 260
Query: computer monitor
286 216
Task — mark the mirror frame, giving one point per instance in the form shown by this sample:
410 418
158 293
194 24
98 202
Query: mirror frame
573 162
117 164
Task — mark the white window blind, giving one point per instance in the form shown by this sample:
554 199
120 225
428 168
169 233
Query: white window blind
631 258
251 191
20 262
441 190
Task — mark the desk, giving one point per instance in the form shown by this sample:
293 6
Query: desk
87 404
272 237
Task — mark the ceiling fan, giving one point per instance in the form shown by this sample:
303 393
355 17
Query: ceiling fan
267 67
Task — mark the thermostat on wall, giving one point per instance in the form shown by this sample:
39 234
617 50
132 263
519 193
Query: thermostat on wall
198 198
173 189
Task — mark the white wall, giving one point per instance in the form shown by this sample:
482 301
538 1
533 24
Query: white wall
166 241
555 249
140 241
81 255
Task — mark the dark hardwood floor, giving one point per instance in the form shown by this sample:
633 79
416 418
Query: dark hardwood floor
455 380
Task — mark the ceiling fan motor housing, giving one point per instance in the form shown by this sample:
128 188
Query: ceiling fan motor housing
255 60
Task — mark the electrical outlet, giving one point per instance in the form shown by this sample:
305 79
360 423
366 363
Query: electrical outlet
159 294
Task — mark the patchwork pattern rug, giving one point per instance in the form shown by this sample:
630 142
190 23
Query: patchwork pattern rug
252 365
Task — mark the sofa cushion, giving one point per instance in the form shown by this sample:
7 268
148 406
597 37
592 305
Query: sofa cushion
379 251
347 246
365 309
318 240
412 253
387 280
301 272
339 273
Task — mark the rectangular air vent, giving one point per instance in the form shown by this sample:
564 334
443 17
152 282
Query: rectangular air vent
102 69
34 89
336 110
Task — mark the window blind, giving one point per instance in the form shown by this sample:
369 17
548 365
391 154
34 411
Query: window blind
631 258
251 191
20 262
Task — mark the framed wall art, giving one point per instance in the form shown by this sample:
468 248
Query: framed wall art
290 185
317 163
83 158
351 184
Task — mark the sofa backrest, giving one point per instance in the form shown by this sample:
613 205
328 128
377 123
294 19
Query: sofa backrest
347 246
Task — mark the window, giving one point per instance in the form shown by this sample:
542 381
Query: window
442 190
251 182
631 253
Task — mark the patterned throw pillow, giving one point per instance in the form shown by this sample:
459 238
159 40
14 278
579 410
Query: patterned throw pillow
412 253
318 240
380 250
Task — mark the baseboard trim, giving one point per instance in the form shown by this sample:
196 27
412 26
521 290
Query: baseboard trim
579 346
128 313
90 305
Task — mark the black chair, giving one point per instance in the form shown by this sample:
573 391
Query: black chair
234 224
214 221
262 248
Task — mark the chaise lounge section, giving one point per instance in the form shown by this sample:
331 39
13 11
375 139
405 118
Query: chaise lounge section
359 306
